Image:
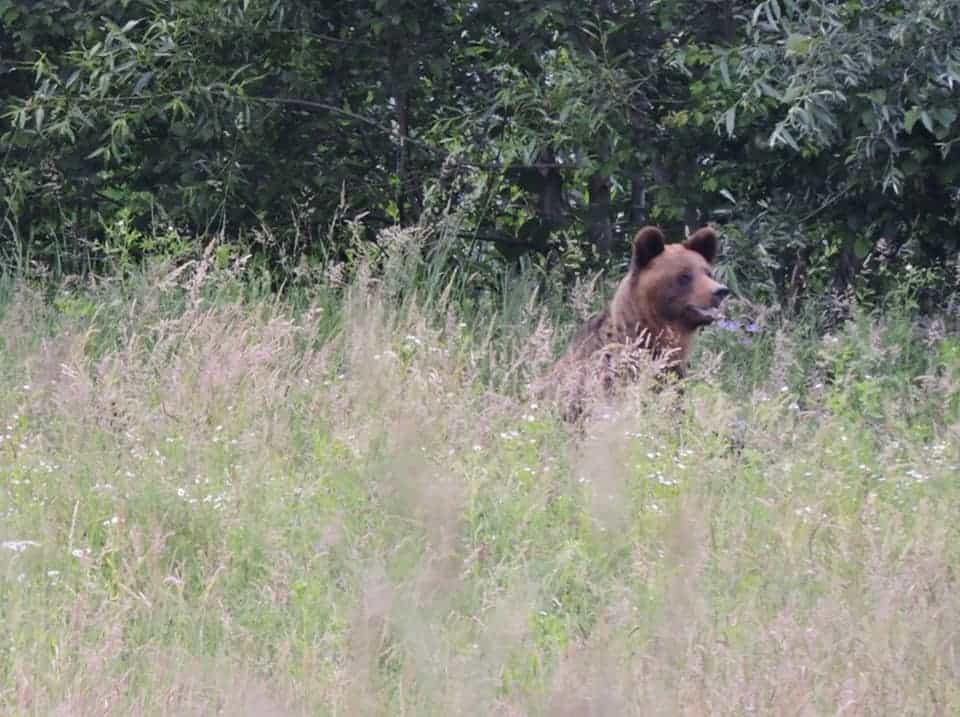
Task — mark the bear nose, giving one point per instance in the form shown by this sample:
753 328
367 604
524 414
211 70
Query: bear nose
719 294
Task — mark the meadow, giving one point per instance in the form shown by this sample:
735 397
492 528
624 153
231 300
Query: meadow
347 501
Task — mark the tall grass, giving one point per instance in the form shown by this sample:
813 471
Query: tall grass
217 502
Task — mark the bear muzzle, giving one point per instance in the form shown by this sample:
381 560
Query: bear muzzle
702 315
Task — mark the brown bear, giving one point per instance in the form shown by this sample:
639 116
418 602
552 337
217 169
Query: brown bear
668 293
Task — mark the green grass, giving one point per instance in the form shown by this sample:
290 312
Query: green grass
345 503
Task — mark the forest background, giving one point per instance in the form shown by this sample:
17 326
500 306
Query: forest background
821 136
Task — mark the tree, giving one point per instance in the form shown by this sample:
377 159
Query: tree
859 101
810 130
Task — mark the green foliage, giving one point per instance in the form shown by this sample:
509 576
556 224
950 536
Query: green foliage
822 136
859 101
199 115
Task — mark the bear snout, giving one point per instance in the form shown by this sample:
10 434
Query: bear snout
719 294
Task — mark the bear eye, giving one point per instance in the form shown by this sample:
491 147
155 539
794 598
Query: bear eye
684 279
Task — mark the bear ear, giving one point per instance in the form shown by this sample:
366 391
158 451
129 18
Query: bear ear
646 245
704 241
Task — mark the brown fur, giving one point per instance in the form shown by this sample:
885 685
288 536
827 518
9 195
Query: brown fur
668 293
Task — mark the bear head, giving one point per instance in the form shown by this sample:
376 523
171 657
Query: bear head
675 281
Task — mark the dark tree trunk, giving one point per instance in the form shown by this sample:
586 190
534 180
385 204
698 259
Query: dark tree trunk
408 194
544 181
665 175
845 267
599 226
550 194
638 200
640 126
408 199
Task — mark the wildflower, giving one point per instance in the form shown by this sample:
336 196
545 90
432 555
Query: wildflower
916 475
659 477
18 546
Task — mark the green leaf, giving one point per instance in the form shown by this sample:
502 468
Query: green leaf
910 118
725 71
945 116
927 122
782 134
791 93
142 82
730 119
769 91
798 44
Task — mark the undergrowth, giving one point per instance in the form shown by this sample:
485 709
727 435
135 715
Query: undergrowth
347 501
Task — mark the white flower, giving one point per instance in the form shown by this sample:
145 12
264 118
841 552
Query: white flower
18 546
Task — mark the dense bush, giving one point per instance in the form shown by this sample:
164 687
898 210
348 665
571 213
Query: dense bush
822 135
